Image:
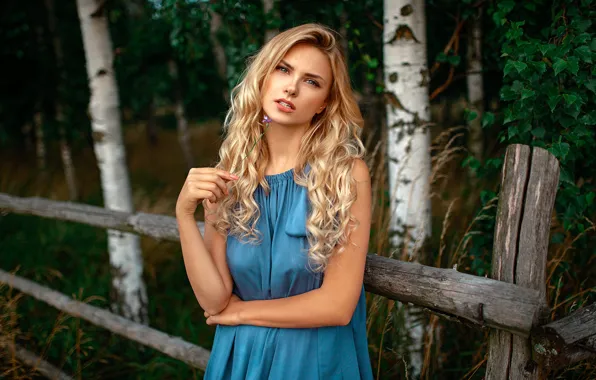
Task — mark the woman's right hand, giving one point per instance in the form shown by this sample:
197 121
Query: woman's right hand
202 184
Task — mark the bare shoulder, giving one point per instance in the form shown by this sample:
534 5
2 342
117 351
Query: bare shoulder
360 171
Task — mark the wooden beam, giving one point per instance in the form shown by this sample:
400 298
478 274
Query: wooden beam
170 345
476 300
566 341
35 362
479 301
153 225
528 188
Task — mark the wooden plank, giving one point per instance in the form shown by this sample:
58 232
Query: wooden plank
170 345
153 225
480 301
509 215
534 236
477 300
38 364
566 341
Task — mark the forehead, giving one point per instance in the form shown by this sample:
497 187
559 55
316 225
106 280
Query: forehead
309 59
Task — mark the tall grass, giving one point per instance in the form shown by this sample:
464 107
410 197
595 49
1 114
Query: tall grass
73 259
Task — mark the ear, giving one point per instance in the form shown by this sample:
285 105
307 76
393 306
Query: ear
322 108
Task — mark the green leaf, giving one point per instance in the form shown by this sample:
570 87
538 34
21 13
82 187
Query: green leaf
553 101
546 48
559 65
538 66
591 85
584 53
573 65
441 57
559 150
488 118
570 98
538 132
454 59
593 45
472 115
510 65
508 116
512 132
527 93
373 63
590 198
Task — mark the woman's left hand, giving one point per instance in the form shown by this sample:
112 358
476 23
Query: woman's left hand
229 316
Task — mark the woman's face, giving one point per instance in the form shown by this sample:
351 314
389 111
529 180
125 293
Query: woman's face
298 87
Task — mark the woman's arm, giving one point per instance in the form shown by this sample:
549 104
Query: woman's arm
335 301
204 260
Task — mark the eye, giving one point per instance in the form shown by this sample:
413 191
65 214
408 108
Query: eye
313 82
282 69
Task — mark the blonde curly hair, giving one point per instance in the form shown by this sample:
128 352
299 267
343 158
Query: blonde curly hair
329 146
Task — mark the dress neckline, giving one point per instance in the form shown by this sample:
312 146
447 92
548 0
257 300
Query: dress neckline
272 178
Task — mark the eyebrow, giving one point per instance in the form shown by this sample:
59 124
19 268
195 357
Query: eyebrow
307 74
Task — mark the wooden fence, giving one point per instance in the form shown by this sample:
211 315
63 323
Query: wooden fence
513 303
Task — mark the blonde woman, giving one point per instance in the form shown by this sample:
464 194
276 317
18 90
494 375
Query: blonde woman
280 268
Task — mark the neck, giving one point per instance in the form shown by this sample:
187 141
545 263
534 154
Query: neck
283 142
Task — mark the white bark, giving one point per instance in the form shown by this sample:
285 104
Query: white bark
475 85
406 81
65 153
40 142
219 52
408 114
124 248
268 7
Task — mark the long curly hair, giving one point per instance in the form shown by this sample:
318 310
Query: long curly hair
329 146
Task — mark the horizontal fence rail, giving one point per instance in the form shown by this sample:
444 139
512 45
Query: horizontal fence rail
477 300
35 362
172 346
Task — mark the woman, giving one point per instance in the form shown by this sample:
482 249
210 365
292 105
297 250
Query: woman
280 269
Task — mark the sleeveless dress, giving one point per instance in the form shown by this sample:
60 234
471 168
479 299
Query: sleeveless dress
276 268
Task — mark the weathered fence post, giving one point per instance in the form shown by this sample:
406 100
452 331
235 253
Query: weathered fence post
528 187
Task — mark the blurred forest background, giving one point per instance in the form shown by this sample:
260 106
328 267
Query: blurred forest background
175 62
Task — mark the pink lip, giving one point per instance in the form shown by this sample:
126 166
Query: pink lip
286 101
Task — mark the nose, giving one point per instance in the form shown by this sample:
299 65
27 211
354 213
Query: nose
291 88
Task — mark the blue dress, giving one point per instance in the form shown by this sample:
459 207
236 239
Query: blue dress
276 268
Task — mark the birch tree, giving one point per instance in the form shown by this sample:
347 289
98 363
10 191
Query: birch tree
270 13
219 52
181 121
65 152
408 113
475 84
129 293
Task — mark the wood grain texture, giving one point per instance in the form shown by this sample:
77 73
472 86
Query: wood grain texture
170 345
566 341
479 300
509 215
38 364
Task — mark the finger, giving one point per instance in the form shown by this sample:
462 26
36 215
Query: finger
206 315
215 179
211 187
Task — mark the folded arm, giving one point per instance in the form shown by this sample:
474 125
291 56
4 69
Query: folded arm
334 302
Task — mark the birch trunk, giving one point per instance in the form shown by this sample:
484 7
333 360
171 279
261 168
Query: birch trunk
270 13
219 53
182 123
129 293
408 114
475 89
40 142
65 152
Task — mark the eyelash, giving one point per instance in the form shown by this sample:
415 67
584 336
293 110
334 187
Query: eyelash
314 82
